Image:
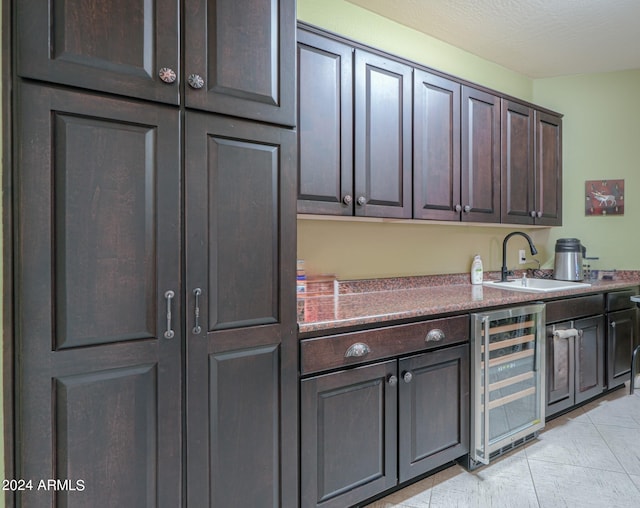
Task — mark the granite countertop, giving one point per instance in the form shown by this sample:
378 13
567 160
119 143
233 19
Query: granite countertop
383 301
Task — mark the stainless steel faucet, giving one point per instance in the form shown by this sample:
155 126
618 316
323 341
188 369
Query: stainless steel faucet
532 248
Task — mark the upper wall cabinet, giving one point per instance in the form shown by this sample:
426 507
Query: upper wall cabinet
382 137
239 58
325 126
238 61
531 166
374 179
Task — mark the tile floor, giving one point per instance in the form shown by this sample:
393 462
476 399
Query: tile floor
587 458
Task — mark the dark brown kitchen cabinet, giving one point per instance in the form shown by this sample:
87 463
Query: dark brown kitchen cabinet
433 410
574 365
99 360
117 47
531 166
154 249
480 156
348 435
436 147
240 58
622 335
325 125
241 408
365 428
383 132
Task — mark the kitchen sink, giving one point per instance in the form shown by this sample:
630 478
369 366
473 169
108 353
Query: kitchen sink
536 285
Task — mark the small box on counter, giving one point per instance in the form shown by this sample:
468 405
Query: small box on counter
317 302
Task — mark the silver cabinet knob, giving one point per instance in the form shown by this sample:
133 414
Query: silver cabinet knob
435 335
362 201
539 214
407 377
467 208
532 213
347 200
357 350
458 208
195 81
167 75
393 380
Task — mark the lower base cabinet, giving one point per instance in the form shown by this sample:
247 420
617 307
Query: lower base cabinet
575 365
365 429
622 337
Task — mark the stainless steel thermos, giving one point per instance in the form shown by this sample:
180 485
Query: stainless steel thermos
568 259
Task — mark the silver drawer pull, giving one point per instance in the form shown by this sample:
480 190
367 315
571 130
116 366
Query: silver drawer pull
196 312
434 336
169 333
358 349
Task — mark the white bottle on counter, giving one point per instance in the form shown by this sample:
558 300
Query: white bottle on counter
476 270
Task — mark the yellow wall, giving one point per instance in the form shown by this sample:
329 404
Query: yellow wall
601 140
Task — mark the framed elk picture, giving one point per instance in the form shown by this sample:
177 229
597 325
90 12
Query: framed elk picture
604 197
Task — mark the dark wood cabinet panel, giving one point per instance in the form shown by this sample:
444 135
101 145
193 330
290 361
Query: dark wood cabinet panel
436 148
531 166
98 249
518 177
548 169
244 56
622 337
575 365
242 363
325 126
433 410
480 156
349 431
117 48
383 111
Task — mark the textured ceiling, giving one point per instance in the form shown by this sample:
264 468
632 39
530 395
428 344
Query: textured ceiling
538 38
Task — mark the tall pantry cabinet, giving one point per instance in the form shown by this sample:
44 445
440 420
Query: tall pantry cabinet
154 205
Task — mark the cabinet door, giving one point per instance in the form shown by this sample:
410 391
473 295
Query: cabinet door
240 291
436 147
548 169
433 410
480 188
240 58
518 175
349 431
382 137
622 329
560 370
119 47
98 250
589 354
325 126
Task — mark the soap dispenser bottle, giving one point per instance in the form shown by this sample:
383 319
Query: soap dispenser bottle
476 270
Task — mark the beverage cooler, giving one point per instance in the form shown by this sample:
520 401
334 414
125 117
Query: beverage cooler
507 376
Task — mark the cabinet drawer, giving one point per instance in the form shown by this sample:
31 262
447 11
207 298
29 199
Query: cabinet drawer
346 349
573 308
619 300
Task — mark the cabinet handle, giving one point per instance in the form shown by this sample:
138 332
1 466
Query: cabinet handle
458 208
532 213
539 214
169 333
195 81
362 201
196 312
167 75
393 380
435 335
357 350
407 377
347 200
613 324
466 209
